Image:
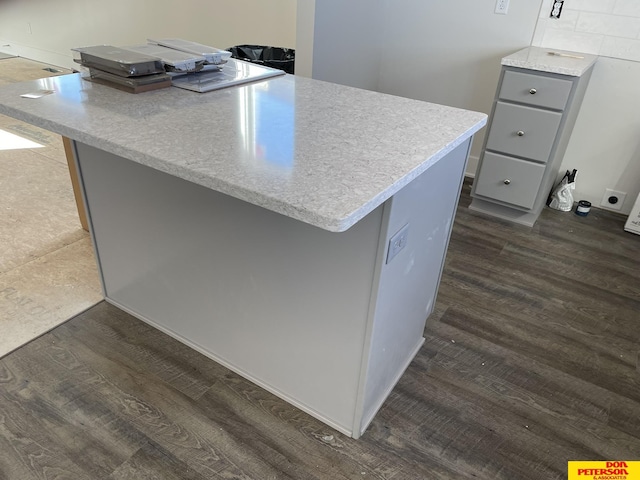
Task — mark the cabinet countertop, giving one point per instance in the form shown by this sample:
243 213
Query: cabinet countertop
321 153
551 60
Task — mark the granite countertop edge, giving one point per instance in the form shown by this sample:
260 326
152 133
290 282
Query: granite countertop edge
551 60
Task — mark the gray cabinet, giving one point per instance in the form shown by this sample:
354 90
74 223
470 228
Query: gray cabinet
532 117
523 131
509 180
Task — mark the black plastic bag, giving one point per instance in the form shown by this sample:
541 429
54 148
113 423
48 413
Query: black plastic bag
274 57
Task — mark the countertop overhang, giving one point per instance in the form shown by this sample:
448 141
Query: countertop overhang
321 153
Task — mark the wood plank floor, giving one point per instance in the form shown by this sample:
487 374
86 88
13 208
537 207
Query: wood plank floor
531 359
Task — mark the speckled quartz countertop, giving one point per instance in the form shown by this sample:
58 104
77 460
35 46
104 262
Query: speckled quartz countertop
551 60
318 152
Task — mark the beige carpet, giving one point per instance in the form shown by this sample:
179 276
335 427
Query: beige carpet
48 272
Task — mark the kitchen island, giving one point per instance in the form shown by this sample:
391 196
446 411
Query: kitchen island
292 230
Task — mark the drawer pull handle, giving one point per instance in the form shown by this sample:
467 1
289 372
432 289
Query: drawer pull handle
520 133
533 91
507 182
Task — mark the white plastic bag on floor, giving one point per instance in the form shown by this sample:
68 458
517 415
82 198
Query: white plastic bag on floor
562 196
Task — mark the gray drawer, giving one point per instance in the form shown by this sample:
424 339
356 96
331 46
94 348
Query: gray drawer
509 180
523 131
536 90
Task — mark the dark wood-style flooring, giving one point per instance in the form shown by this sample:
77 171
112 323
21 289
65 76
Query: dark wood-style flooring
531 359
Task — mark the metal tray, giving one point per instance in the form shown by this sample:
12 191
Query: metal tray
125 63
234 72
173 60
129 81
213 56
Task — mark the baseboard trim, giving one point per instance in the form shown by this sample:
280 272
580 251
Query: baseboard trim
37 54
472 166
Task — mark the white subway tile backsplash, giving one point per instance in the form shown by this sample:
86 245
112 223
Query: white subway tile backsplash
545 10
615 25
626 48
600 6
573 41
567 21
603 27
629 8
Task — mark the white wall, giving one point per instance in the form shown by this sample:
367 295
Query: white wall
347 37
305 29
46 31
605 144
441 51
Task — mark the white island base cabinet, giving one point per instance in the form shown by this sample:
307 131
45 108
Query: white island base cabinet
318 318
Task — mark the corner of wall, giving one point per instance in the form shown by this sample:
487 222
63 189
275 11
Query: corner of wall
305 31
472 166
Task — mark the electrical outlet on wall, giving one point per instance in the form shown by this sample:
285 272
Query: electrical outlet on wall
502 6
556 9
613 199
